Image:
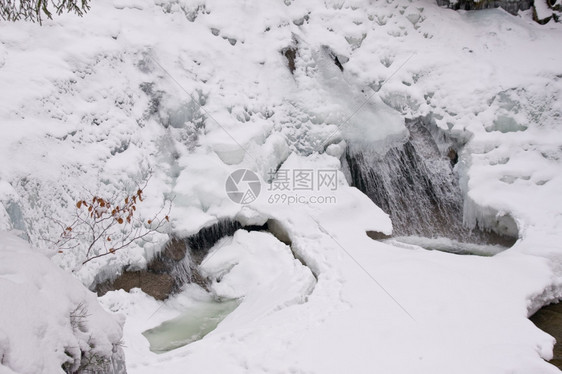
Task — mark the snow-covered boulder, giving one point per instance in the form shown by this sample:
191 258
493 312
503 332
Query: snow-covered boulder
49 322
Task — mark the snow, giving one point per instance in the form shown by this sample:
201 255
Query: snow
345 327
48 318
543 10
255 264
189 91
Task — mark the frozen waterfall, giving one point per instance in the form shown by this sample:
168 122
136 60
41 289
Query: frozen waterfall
416 184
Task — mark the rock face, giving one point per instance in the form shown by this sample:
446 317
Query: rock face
158 286
290 54
511 6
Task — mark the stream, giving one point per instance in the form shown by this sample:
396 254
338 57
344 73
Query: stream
193 324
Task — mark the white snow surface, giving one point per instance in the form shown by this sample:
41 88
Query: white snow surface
47 317
191 90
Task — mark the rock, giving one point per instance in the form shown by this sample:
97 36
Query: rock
511 6
542 12
290 54
453 156
376 235
175 249
158 286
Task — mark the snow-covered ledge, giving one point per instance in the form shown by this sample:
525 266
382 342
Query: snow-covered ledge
49 322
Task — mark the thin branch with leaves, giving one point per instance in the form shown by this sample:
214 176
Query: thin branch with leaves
35 10
109 225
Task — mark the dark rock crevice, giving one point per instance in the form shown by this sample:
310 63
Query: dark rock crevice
290 54
511 6
338 60
276 228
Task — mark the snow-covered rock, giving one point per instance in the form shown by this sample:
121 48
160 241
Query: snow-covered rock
49 322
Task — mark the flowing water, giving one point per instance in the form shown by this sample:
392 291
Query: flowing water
416 184
193 324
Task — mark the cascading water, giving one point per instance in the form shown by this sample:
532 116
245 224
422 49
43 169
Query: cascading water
416 185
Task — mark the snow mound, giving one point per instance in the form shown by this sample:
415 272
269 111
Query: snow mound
258 267
49 322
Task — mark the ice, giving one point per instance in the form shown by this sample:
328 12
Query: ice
446 245
195 322
506 124
488 218
11 216
16 216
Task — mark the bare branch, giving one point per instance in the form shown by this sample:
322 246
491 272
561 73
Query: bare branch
34 10
109 225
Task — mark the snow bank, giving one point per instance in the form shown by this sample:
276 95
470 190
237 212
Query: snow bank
48 320
257 267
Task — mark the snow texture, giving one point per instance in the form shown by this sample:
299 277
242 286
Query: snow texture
49 320
188 91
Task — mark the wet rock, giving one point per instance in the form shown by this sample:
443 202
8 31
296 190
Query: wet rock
542 17
158 286
549 319
453 156
376 235
511 6
175 249
291 55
